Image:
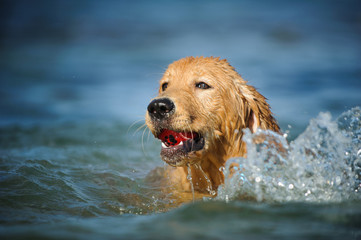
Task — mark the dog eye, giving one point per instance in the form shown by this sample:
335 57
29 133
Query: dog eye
164 86
202 85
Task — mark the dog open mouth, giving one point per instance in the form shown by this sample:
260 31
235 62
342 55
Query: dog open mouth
176 146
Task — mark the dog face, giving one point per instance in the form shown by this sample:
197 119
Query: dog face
201 109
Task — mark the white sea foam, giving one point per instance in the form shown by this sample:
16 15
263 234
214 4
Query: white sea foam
322 165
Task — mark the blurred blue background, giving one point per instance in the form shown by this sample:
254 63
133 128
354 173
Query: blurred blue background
101 60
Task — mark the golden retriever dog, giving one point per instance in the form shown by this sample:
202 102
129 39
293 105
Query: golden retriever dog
199 115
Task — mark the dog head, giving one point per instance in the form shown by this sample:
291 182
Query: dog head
202 106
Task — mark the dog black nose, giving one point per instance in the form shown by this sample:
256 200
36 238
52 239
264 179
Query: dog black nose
161 108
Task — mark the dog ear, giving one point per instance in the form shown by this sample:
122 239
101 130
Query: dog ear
252 108
257 111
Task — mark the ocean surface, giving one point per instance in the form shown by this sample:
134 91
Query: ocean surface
76 78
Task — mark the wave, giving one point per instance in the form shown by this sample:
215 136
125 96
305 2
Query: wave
323 164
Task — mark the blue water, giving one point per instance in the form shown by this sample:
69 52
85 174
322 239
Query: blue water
75 80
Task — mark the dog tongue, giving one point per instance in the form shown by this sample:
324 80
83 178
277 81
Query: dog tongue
172 138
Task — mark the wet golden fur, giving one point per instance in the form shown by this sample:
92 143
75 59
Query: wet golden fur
219 114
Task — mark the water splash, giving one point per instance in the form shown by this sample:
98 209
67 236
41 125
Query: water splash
209 183
189 177
322 165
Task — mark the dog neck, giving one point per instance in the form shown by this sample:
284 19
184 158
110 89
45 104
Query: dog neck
209 173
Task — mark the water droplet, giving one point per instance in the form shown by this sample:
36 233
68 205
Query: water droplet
122 210
209 187
290 186
258 179
359 153
189 177
281 184
308 192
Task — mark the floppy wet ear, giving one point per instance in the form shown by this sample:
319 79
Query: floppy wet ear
257 111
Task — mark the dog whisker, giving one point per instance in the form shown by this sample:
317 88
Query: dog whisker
133 124
145 129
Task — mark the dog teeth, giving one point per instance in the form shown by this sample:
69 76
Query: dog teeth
165 146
